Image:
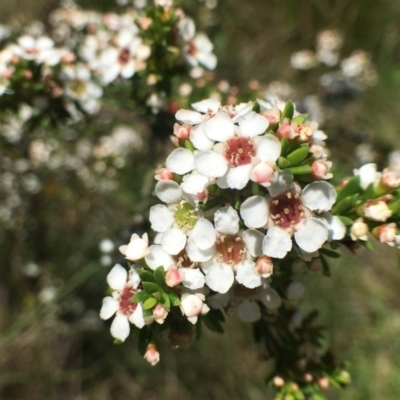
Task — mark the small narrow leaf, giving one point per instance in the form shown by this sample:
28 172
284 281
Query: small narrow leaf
288 111
174 299
300 170
329 253
140 297
347 221
351 187
298 155
325 267
159 276
146 276
283 162
284 146
164 301
151 287
300 119
149 303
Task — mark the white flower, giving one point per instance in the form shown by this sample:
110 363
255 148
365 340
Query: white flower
137 248
192 305
124 286
297 215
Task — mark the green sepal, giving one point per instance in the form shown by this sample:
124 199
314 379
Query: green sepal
159 276
351 187
298 155
367 244
300 170
283 162
174 299
300 119
149 303
146 276
345 220
117 341
140 297
187 144
288 111
151 287
284 146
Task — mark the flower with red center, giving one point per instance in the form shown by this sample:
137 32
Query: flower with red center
120 303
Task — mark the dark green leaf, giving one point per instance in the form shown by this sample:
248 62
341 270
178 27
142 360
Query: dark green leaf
329 253
288 111
351 187
213 324
325 267
151 287
395 207
345 220
140 297
284 146
146 276
174 299
164 301
283 162
159 276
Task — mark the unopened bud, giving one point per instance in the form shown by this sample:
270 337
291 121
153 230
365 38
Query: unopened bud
264 266
152 355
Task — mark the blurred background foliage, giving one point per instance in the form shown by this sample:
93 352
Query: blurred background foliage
52 344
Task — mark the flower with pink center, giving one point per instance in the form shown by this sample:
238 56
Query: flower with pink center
234 253
120 304
152 355
386 233
291 213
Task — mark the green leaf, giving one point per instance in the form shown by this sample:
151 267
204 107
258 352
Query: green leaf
212 323
325 267
288 111
146 276
367 244
351 187
345 220
283 162
145 337
159 276
300 119
298 155
187 144
284 146
140 297
174 299
151 287
395 207
329 253
149 303
300 170
164 301
343 206
157 295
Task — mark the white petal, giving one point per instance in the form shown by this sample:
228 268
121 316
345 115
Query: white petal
191 305
246 274
239 176
253 124
281 182
137 318
200 140
189 117
161 218
220 127
337 229
242 109
136 249
248 311
220 277
180 161
253 240
268 148
196 254
168 191
120 327
207 105
254 212
318 196
368 174
134 277
277 243
226 220
209 60
158 257
194 183
211 164
109 307
117 277
311 235
193 278
203 234
173 241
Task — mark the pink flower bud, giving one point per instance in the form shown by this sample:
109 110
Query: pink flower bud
173 277
160 313
323 382
264 266
152 356
278 381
